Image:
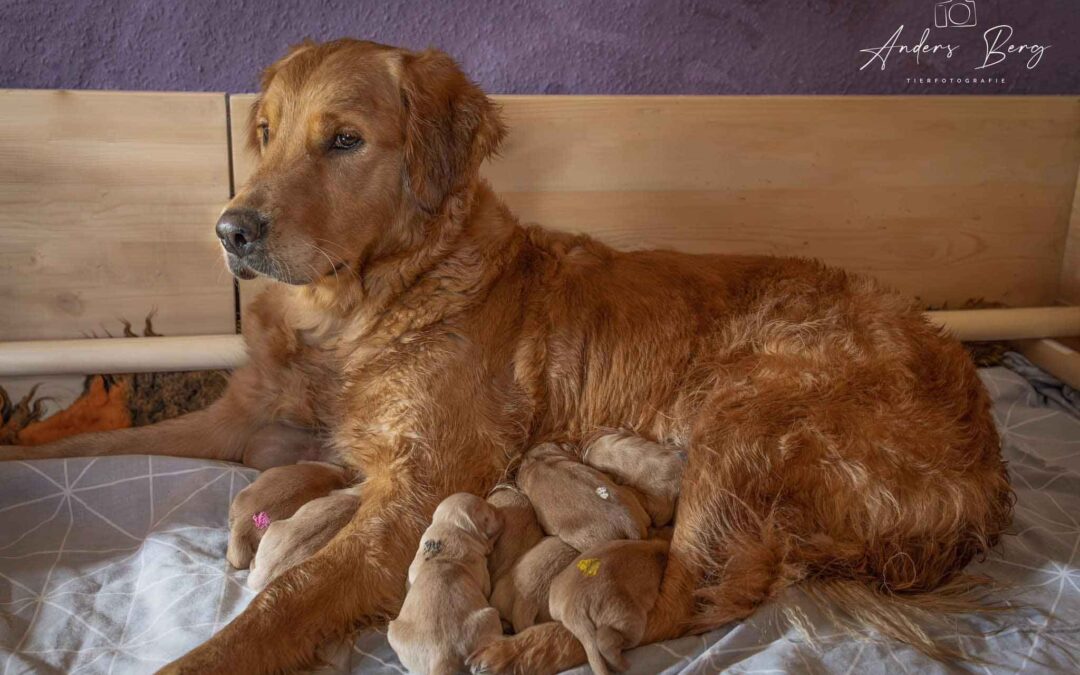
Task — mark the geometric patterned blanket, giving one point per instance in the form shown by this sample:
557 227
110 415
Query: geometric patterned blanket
117 565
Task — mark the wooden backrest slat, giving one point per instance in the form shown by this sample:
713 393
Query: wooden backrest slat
945 198
107 206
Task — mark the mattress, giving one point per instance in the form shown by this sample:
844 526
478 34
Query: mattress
117 565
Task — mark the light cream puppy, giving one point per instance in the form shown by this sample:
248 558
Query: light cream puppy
276 494
446 616
520 530
521 597
652 469
605 595
576 502
290 542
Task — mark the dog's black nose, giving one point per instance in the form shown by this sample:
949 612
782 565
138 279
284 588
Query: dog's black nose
240 230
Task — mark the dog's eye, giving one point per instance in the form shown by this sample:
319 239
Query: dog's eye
264 133
346 141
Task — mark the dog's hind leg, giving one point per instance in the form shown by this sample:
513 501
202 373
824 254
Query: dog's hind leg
728 551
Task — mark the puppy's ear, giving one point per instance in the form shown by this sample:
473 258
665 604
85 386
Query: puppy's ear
487 520
451 126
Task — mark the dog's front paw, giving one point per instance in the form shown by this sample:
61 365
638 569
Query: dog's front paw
495 658
12 453
170 669
539 650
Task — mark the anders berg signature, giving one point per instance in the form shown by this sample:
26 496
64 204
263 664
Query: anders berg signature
998 41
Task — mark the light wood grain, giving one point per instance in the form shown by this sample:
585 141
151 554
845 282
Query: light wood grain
1053 356
125 355
107 207
1020 323
21 361
943 198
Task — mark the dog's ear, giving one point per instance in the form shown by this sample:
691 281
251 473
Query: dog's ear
451 126
270 71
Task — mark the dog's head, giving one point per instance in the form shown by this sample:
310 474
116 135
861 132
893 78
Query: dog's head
360 146
470 513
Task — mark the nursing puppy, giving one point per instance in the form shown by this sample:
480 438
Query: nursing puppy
275 495
652 469
287 543
446 616
520 530
580 505
604 598
521 597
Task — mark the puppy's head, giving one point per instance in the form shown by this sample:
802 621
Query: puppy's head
469 513
359 146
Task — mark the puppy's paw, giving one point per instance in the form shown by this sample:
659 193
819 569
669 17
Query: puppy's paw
539 650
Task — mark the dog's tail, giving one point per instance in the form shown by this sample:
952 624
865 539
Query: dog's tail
596 659
854 605
759 567
910 618
603 647
610 643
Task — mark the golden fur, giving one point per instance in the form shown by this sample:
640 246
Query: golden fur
521 530
605 595
650 468
278 492
429 338
577 503
521 596
282 444
289 542
446 615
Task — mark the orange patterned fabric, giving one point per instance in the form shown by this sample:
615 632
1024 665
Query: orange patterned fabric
101 408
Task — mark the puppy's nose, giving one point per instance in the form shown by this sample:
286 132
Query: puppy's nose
240 230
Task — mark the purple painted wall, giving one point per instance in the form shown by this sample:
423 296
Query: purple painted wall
558 46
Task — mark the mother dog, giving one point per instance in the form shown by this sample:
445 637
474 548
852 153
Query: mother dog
427 338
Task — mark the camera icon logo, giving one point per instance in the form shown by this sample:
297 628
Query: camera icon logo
955 14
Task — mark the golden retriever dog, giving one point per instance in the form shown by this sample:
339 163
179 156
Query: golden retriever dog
833 436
